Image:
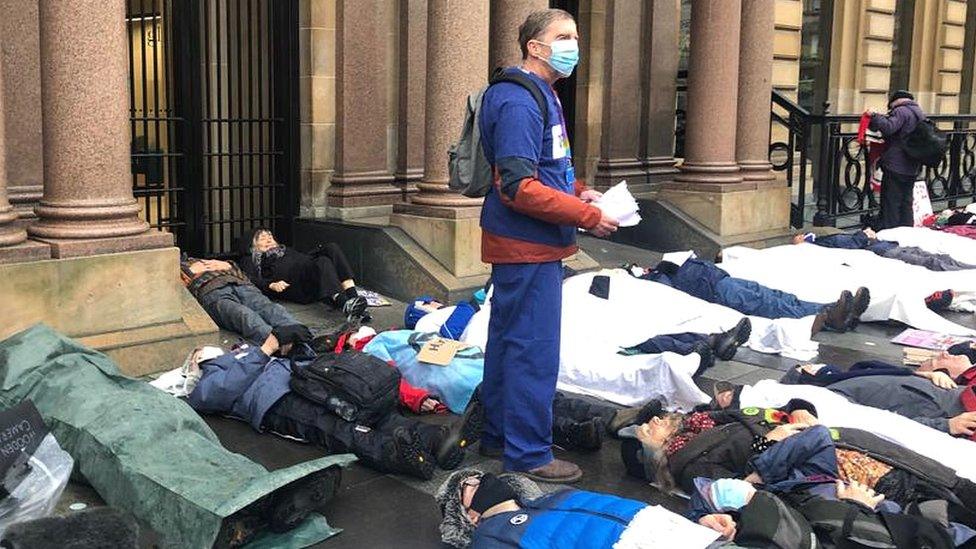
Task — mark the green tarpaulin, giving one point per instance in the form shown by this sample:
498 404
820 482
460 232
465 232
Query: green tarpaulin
142 450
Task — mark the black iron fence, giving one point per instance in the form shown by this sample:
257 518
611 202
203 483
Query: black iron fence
823 161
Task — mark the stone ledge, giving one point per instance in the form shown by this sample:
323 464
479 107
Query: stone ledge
68 248
28 250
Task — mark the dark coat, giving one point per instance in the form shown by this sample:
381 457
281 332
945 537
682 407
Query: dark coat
895 127
296 268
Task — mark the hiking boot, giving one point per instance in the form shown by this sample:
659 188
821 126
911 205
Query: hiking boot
580 435
939 301
241 527
637 415
862 298
557 471
407 455
491 451
838 312
704 350
295 501
819 322
727 343
355 309
461 434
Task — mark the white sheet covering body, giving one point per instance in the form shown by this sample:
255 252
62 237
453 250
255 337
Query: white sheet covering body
818 274
834 410
594 329
961 248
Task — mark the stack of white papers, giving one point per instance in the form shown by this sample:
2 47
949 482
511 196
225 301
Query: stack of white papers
619 204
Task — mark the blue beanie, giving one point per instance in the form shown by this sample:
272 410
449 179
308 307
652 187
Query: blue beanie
456 323
413 313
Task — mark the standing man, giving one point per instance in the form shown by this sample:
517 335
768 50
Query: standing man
900 170
529 223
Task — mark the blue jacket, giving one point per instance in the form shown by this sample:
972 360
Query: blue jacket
564 519
698 278
244 385
895 126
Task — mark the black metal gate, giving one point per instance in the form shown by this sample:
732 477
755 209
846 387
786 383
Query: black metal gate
215 117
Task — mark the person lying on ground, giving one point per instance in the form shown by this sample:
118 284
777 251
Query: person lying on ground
706 281
866 239
286 273
931 398
254 384
671 450
482 510
710 346
228 296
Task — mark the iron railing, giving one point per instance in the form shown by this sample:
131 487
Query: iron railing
820 156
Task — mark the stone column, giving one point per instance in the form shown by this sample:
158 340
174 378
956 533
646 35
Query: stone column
506 17
10 233
85 125
713 80
661 24
21 92
755 87
457 65
362 178
411 93
620 146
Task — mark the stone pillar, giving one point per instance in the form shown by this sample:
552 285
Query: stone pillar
21 91
506 17
755 88
457 65
410 94
659 90
85 125
621 156
10 233
713 80
443 222
362 178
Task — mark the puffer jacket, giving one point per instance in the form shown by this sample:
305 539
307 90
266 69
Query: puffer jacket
895 126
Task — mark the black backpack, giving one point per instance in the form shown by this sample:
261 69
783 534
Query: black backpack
355 386
926 143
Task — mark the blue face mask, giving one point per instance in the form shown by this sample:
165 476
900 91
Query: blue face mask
564 57
729 494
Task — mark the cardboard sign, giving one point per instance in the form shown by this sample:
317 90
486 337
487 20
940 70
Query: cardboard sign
439 351
21 431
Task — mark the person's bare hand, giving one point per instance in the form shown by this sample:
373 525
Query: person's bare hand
606 226
855 491
279 286
270 345
869 232
721 523
963 425
428 405
590 195
939 379
803 417
784 431
216 265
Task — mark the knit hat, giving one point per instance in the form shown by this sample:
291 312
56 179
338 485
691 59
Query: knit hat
456 528
415 311
900 94
491 491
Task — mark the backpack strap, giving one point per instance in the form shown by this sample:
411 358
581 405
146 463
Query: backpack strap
522 79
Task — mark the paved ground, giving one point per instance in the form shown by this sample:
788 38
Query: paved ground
377 510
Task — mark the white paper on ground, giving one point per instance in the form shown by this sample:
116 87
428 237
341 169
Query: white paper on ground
678 258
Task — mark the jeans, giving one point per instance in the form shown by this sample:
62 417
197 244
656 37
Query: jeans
682 344
896 200
242 308
750 298
809 453
922 258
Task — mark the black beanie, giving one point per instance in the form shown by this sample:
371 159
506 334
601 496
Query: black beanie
900 94
632 454
491 491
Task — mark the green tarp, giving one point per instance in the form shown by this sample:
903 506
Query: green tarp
142 450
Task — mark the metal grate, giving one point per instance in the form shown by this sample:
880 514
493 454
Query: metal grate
214 98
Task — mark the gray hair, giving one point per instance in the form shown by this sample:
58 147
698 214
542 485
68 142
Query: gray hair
536 24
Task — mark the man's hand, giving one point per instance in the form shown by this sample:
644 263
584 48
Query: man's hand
606 226
784 431
279 286
963 425
590 195
855 491
428 405
869 232
271 345
939 379
804 417
721 523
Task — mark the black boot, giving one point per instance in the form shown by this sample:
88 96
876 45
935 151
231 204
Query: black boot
838 312
293 503
703 350
406 454
461 434
578 435
859 304
727 343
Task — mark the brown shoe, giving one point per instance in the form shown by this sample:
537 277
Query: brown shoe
862 298
838 312
818 323
557 471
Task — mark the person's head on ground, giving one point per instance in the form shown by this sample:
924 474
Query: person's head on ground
725 395
550 44
200 355
954 365
645 456
468 496
667 268
263 240
799 238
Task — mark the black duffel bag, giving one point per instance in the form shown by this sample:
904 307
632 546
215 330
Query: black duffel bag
355 386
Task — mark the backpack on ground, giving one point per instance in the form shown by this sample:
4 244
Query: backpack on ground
470 173
355 386
926 143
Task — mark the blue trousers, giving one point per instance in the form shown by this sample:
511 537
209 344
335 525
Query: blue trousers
522 362
751 298
682 344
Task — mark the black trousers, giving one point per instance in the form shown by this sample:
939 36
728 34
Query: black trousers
896 200
333 268
298 417
569 411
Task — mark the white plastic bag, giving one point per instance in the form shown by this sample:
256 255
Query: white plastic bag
39 491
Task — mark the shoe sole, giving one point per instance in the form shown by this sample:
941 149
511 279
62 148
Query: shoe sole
569 479
303 496
452 452
858 308
422 463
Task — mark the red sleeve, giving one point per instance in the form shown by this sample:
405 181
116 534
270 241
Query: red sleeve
535 199
580 187
412 397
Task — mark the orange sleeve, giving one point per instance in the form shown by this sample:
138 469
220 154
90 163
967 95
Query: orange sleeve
579 187
535 199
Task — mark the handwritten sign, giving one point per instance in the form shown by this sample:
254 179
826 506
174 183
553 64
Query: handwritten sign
439 351
21 431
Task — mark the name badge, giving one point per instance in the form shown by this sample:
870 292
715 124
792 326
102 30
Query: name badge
559 145
570 174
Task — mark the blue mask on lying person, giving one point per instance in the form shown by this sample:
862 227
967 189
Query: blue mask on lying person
729 494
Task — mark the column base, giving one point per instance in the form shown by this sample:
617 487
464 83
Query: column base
407 181
721 173
357 212
451 235
439 195
731 210
363 189
29 250
611 171
756 171
66 248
